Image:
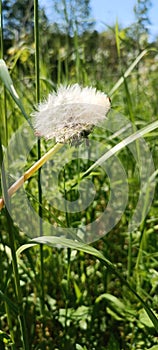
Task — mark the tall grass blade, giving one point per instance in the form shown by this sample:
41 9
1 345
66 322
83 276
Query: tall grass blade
12 306
135 136
129 70
40 212
14 258
8 83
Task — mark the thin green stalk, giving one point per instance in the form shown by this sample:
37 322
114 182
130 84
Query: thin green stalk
10 326
37 71
9 319
36 35
139 260
10 225
132 118
78 68
67 41
129 259
14 260
1 56
84 72
117 38
59 69
1 29
68 287
68 261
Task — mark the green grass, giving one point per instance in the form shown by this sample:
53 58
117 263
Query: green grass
70 294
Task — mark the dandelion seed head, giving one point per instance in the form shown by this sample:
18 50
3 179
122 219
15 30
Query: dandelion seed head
69 112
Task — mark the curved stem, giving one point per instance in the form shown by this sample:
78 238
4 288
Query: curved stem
17 184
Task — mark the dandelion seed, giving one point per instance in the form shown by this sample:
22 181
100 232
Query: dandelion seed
70 113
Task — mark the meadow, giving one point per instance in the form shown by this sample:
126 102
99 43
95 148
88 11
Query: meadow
78 238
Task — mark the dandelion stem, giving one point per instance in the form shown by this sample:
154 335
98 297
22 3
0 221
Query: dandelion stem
17 184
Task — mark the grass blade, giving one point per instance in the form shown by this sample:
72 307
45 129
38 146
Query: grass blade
12 307
129 70
8 83
131 138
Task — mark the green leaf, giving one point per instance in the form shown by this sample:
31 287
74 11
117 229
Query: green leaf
24 247
79 347
115 303
77 291
144 319
8 83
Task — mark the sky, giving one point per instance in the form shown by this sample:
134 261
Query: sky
105 12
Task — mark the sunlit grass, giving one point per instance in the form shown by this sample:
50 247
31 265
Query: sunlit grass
70 294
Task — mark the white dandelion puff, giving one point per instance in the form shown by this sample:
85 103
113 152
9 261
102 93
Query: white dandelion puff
70 113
